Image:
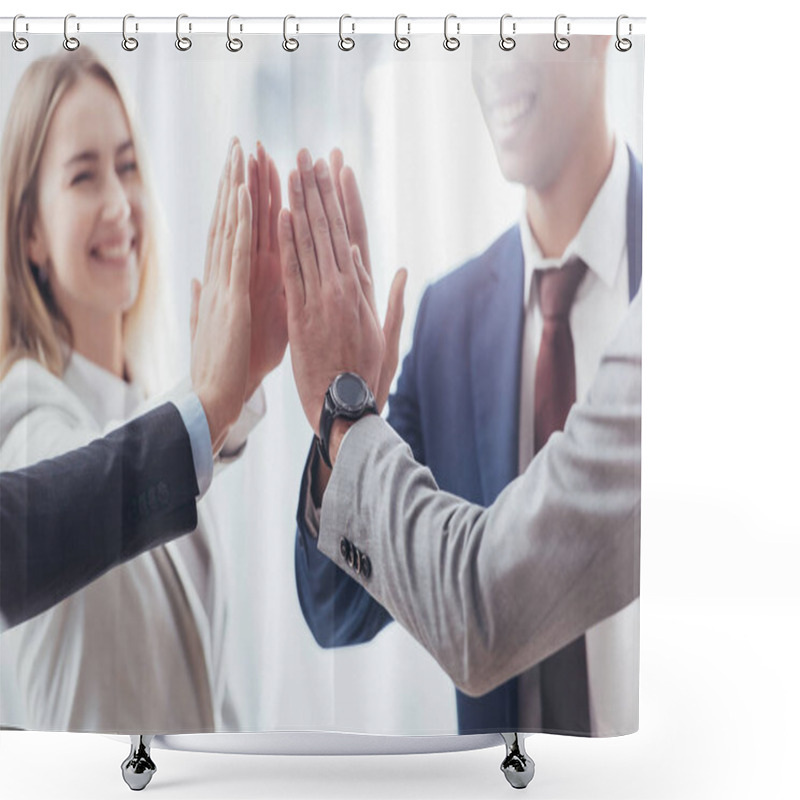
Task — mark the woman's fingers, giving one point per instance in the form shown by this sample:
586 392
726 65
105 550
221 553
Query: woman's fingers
232 213
240 260
261 215
333 212
255 200
274 201
224 204
213 227
293 277
195 309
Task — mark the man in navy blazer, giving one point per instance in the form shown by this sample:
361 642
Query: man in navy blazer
130 491
464 400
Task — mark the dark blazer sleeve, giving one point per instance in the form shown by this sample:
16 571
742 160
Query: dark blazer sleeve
337 609
66 521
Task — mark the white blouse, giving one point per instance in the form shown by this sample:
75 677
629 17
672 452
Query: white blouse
140 650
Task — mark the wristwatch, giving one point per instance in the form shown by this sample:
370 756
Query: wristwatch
347 397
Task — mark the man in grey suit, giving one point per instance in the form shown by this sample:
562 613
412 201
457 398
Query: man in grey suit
502 347
491 591
487 591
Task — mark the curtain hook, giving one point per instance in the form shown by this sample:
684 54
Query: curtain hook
289 45
507 42
234 45
129 43
346 43
183 43
451 42
623 45
70 42
401 43
561 43
19 43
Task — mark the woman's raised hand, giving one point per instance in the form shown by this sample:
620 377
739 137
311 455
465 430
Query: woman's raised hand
269 333
220 316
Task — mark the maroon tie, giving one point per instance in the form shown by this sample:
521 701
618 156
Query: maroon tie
555 368
563 676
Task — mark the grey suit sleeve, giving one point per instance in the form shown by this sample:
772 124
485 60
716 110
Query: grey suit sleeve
491 591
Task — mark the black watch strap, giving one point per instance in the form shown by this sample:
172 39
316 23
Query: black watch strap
333 409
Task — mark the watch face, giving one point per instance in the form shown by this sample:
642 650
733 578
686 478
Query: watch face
349 392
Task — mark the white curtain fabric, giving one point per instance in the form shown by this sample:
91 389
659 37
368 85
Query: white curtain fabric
410 125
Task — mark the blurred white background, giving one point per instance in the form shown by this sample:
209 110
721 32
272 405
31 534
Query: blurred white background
720 552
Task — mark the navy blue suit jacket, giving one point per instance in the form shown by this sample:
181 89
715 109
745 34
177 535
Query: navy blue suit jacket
66 521
457 406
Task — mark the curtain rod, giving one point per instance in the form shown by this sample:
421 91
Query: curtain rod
327 25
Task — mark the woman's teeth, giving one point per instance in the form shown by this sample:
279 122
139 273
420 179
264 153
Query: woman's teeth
109 253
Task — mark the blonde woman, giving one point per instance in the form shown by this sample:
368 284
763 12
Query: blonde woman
142 648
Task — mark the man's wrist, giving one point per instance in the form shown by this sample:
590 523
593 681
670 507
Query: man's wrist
217 427
190 407
338 430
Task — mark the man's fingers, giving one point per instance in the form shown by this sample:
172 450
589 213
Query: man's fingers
365 281
391 337
290 264
303 240
354 214
195 309
317 219
333 212
337 162
240 261
394 312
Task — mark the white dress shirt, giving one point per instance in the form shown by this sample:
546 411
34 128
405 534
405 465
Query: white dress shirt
601 302
143 647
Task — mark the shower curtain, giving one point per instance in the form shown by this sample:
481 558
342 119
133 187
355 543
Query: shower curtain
481 169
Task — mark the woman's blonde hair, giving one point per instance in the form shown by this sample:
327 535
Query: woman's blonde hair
31 323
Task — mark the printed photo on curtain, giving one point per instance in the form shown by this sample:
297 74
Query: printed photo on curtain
362 332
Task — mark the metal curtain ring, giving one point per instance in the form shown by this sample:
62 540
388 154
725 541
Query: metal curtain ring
183 43
129 43
346 42
233 44
561 43
451 42
70 42
623 45
401 43
19 43
289 45
507 42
